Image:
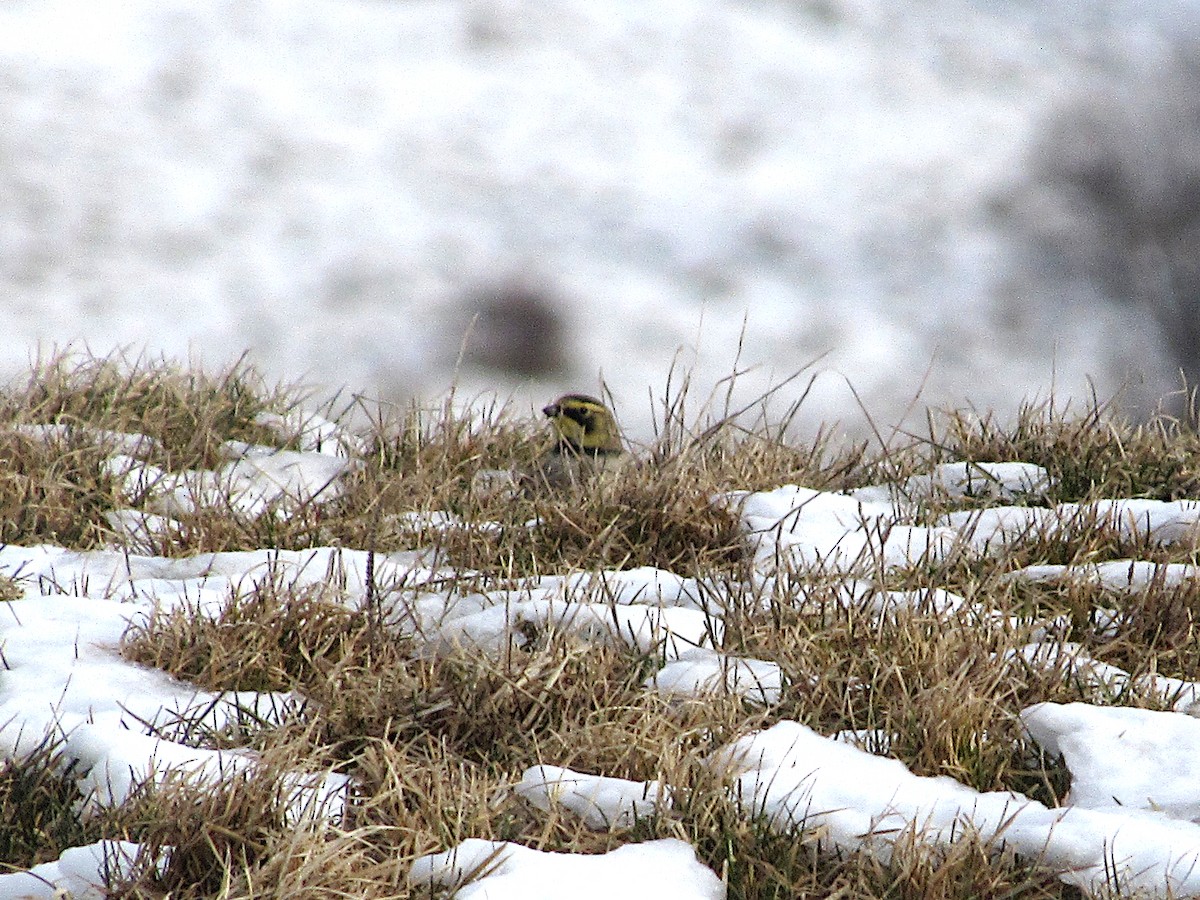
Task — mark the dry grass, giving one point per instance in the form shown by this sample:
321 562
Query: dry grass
36 800
434 745
53 484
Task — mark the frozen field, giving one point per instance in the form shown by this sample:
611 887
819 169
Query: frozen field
1129 821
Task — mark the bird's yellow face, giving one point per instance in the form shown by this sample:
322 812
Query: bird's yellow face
584 425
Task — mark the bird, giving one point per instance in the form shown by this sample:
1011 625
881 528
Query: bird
586 441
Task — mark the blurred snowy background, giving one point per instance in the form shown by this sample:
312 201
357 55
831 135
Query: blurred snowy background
974 201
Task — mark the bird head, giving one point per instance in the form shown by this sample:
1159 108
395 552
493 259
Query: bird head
584 424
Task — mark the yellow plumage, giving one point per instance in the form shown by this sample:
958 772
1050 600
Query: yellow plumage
586 441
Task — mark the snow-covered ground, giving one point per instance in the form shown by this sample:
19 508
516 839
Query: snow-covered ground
1130 819
337 185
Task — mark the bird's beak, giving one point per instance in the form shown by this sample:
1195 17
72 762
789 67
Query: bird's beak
550 411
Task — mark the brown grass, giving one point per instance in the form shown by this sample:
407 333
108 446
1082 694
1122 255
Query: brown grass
434 745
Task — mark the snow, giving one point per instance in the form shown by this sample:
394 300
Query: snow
995 529
959 480
79 873
1130 819
603 803
1125 576
504 619
1105 679
701 672
642 584
329 184
1136 520
1005 481
62 670
64 678
1123 757
793 777
797 527
666 869
256 479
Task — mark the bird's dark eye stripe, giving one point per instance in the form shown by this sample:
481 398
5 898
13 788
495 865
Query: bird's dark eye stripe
578 413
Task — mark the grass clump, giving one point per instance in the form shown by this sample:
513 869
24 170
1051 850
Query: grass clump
274 638
62 427
1088 455
187 413
434 742
38 801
